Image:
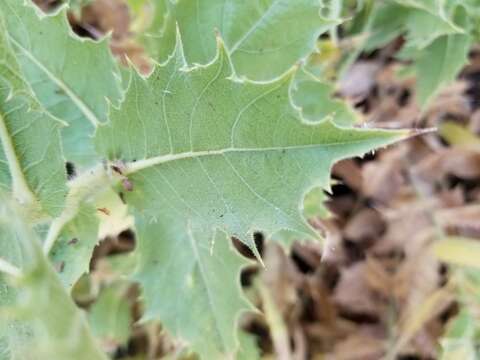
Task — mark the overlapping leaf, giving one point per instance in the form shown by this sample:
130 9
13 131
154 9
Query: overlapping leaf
439 64
31 161
38 320
190 280
71 77
264 38
74 246
437 38
209 154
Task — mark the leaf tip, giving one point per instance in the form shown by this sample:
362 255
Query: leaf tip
418 132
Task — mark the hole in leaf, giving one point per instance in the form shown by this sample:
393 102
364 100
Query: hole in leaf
70 169
245 250
247 275
124 242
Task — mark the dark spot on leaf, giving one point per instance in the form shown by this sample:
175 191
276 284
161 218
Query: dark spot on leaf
73 241
117 169
60 266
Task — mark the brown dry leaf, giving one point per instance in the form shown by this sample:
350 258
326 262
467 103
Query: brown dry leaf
474 125
350 173
378 278
451 102
365 225
333 252
358 346
383 179
107 16
359 80
127 50
462 220
463 163
353 294
419 315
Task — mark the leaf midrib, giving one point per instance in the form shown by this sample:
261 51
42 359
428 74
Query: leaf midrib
139 165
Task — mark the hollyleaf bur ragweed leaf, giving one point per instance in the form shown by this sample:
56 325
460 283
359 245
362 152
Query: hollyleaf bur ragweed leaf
191 282
110 317
439 63
247 28
314 98
210 154
31 160
38 320
74 246
420 24
437 37
72 77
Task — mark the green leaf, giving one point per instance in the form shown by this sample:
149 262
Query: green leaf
190 280
74 246
423 28
387 22
109 317
459 339
315 99
248 347
31 160
421 23
38 320
264 38
72 77
439 64
209 154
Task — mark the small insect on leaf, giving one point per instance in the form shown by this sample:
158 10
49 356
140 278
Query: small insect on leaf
73 241
117 169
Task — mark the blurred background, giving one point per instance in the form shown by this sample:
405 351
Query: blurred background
400 272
